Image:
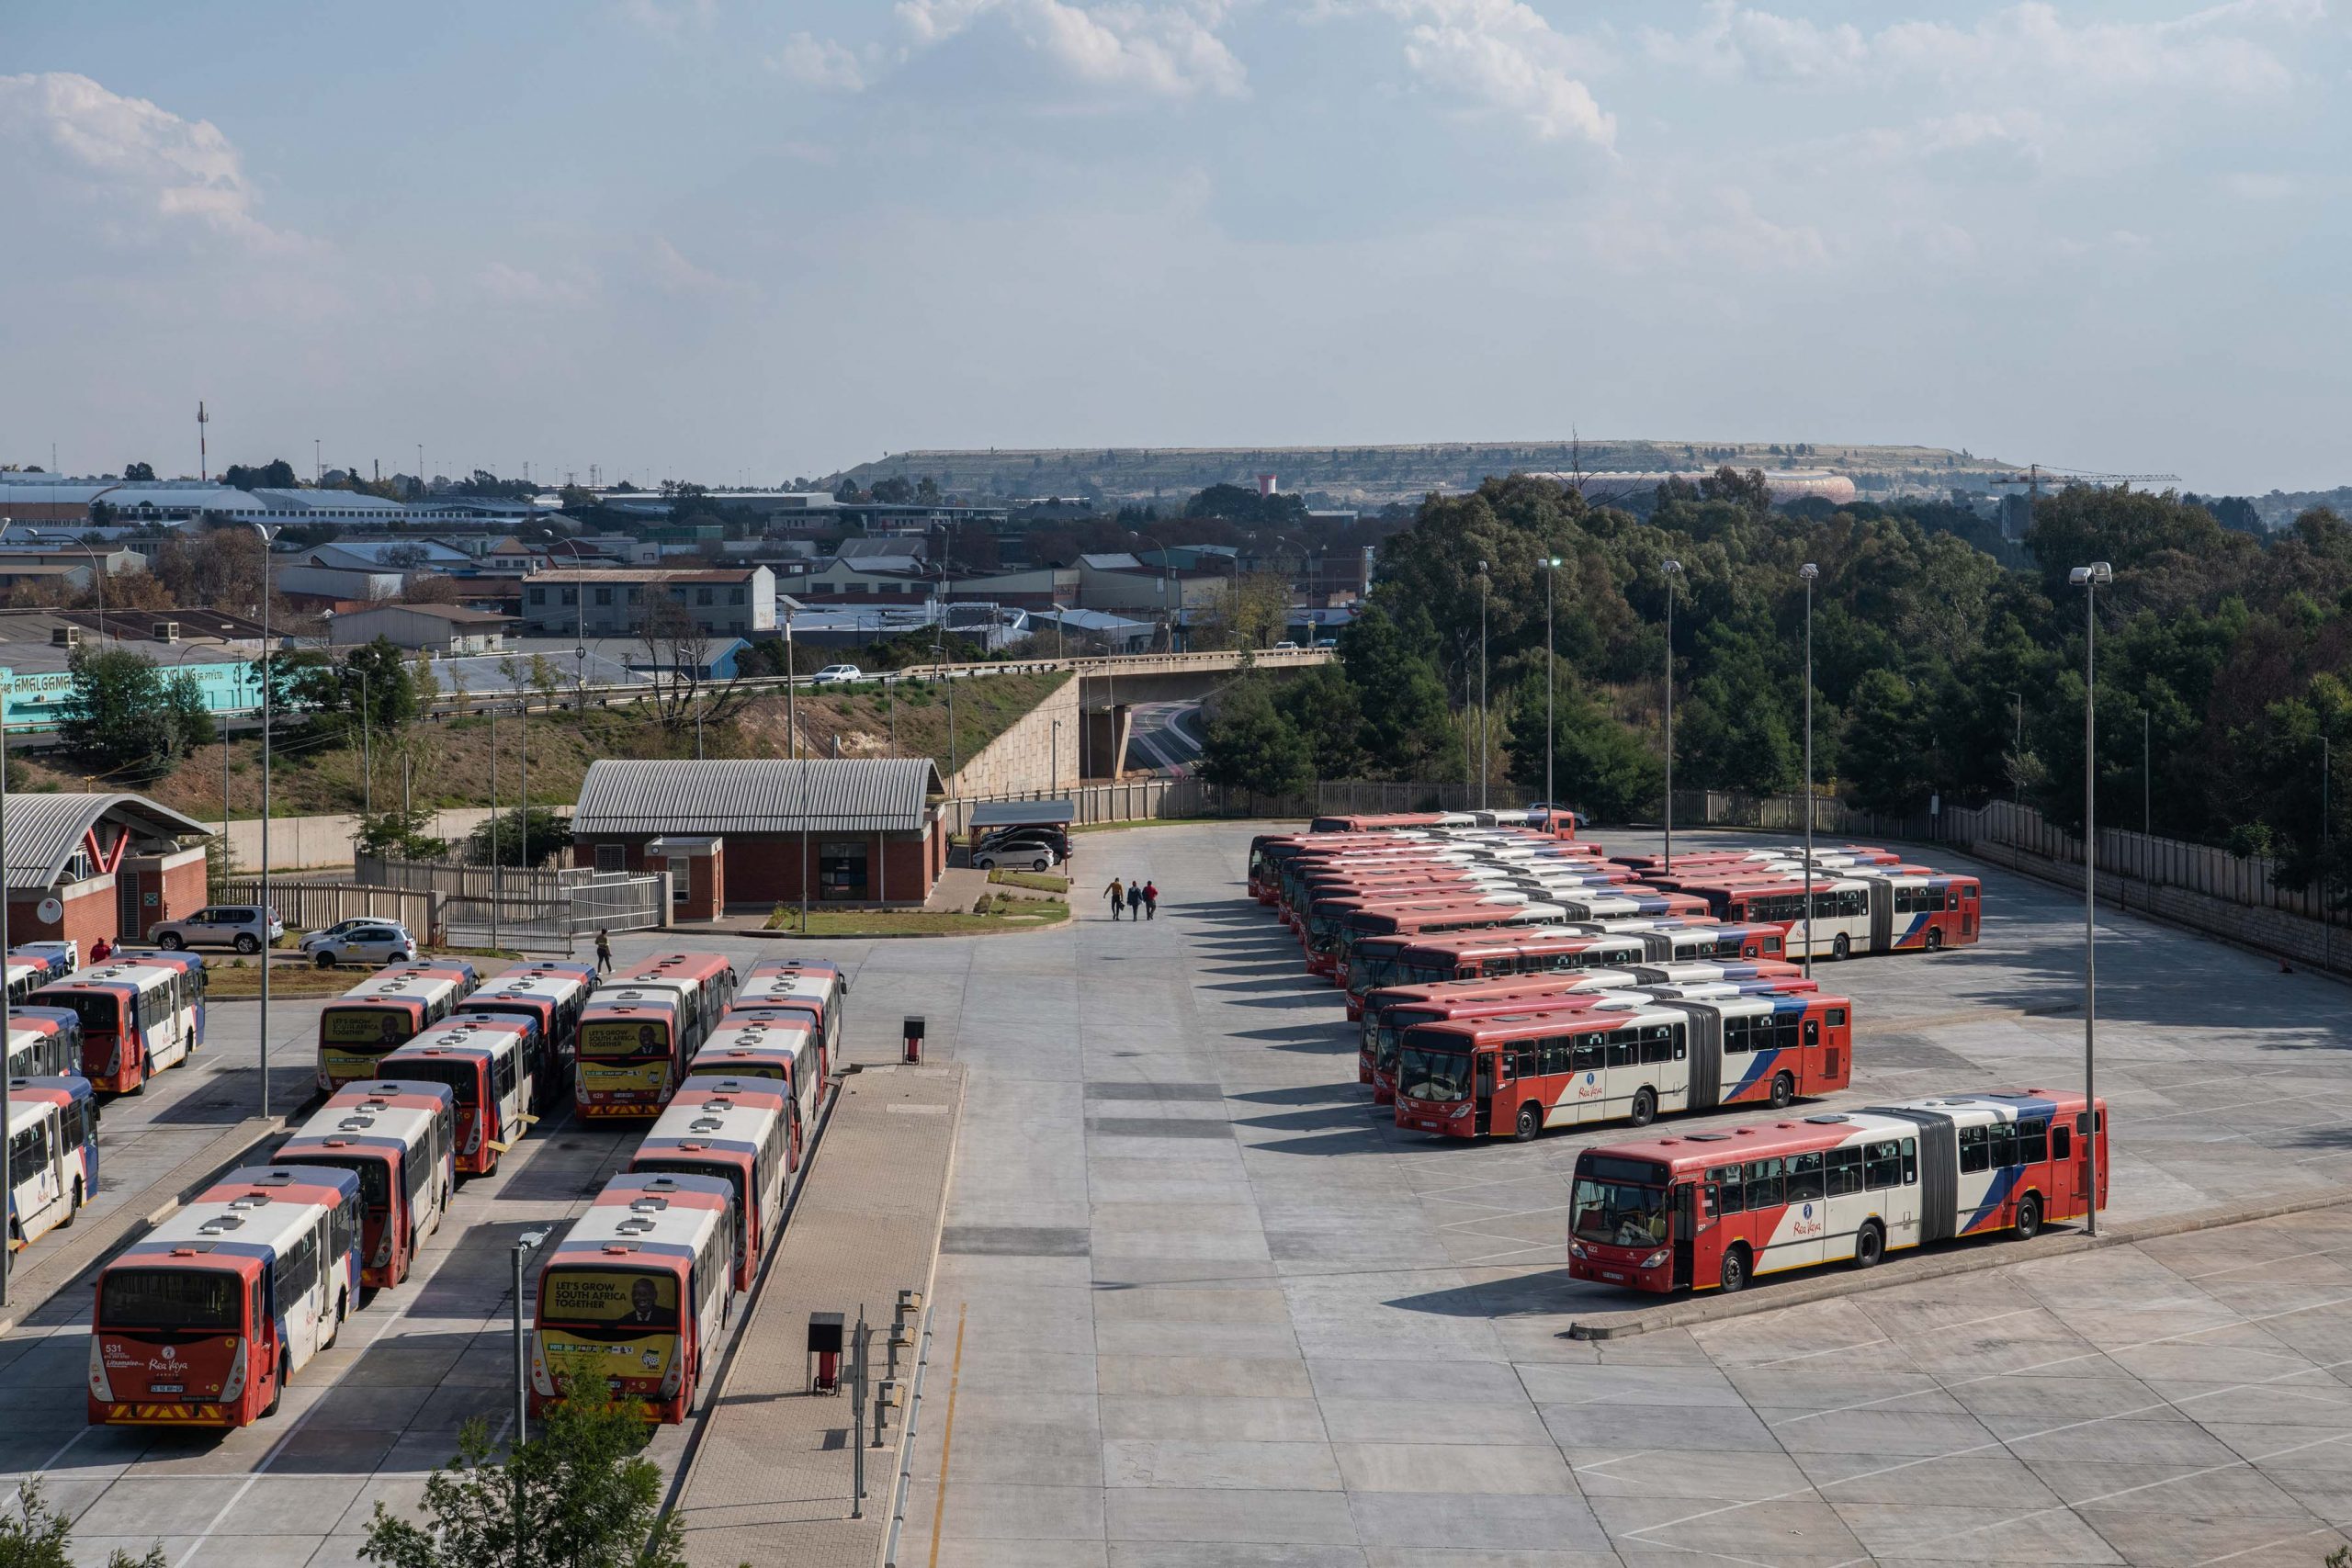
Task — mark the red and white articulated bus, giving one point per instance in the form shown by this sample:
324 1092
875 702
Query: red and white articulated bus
639 1030
1386 822
1380 1003
490 1067
138 1019
1377 1049
1336 924
397 1137
395 1003
553 996
1468 1078
638 1293
53 1153
779 1044
1861 912
817 986
739 1130
203 1321
1418 921
1712 1210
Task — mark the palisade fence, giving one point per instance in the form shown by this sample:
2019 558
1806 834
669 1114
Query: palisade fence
1146 800
522 906
314 906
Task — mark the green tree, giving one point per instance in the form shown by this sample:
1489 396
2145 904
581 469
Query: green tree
34 1535
401 835
1321 704
123 718
1885 757
1598 765
139 473
577 1495
1249 745
538 832
1407 732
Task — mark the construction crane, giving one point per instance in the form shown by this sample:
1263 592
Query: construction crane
2035 472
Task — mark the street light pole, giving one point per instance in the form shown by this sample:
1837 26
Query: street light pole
2016 750
1483 768
2089 578
1673 568
267 703
367 748
1551 659
1808 572
2148 777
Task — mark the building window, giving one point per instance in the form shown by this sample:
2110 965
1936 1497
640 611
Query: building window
734 596
612 857
572 596
705 596
604 596
841 869
538 595
681 878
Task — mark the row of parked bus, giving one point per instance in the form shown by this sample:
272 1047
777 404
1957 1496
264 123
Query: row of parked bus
204 1321
1864 898
1505 982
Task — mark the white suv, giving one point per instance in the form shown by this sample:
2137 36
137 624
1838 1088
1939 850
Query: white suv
220 925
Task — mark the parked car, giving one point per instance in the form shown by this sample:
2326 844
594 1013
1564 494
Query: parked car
360 942
1327 642
220 925
1029 856
1053 839
1286 646
837 675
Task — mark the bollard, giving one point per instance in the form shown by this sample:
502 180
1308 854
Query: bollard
824 1352
900 1340
914 1028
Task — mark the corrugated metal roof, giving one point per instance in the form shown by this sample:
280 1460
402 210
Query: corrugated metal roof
757 795
45 830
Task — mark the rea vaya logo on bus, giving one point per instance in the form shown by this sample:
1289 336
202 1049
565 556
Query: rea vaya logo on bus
1589 1088
1809 1219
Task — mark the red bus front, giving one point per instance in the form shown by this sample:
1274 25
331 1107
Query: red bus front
180 1340
626 1059
112 1057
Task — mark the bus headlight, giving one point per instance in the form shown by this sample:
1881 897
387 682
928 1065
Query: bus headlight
1576 1249
1655 1258
234 1384
101 1388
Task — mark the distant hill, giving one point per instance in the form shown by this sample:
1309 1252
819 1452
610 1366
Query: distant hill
2281 507
1375 476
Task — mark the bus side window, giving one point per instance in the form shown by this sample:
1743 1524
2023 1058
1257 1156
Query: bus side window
1910 1162
1845 1171
2033 1141
2061 1141
1624 1049
1591 1054
1813 1032
1557 1051
1804 1178
2002 1137
1975 1151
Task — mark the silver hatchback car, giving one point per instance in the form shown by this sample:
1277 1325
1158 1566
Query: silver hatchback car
220 925
360 942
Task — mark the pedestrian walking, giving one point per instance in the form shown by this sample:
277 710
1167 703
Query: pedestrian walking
1151 900
604 952
1117 894
1135 901
101 951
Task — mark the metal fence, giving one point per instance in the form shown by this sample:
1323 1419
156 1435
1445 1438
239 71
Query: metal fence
2249 880
1159 799
525 907
314 906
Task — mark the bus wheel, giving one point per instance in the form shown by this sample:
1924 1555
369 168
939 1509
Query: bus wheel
1935 940
1733 1276
1870 1246
2029 1224
1784 1089
75 1208
1841 949
278 1392
1645 1110
1531 1122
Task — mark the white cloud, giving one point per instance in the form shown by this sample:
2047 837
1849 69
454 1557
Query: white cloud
1502 56
819 62
2212 50
1168 50
142 166
506 283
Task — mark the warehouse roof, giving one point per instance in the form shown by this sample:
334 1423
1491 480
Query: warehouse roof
758 796
45 830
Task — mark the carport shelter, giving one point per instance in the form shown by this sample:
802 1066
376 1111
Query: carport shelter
1001 814
113 862
870 828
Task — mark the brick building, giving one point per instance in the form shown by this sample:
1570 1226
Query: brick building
869 830
113 862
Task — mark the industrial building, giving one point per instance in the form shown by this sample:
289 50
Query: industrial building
851 830
614 601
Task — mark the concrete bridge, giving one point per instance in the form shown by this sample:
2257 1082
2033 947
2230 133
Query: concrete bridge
1110 686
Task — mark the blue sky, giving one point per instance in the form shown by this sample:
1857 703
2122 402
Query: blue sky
715 239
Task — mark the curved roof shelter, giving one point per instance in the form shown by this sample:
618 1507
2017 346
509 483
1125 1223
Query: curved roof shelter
45 831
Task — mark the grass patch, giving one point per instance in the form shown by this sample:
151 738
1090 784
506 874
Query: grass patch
1029 914
1035 881
228 982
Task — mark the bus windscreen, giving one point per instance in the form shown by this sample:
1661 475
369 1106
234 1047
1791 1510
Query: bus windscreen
100 1012
207 1301
616 1038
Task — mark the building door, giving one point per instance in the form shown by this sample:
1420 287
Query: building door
127 927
